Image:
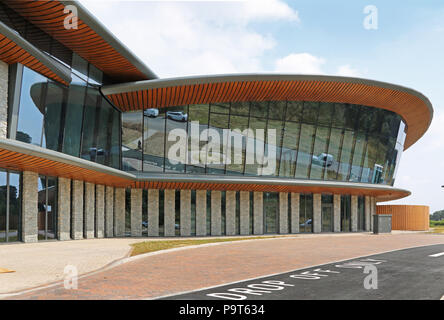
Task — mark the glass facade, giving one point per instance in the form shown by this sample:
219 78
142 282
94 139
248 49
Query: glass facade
75 120
10 206
305 140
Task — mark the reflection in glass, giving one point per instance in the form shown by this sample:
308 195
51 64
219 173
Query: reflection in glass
3 205
289 149
47 208
361 213
320 159
305 151
346 153
358 156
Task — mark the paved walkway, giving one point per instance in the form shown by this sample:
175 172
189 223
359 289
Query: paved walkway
36 264
191 269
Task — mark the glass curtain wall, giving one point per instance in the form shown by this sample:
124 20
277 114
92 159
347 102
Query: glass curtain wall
361 213
305 140
345 213
75 120
10 206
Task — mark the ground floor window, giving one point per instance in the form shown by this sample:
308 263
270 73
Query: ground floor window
327 213
271 209
47 208
345 213
306 213
361 213
10 206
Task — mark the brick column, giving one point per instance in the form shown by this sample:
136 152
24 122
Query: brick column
354 213
153 212
317 213
201 212
230 213
109 212
283 212
4 71
216 219
373 211
136 212
295 197
368 215
169 213
64 209
337 213
119 212
89 210
100 211
258 213
77 210
244 199
185 213
29 207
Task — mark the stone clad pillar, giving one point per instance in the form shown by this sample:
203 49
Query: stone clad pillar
373 211
201 212
216 217
337 213
185 213
100 211
29 207
283 212
295 198
317 213
230 213
244 199
368 215
4 83
89 210
64 209
169 212
77 210
258 213
109 212
119 212
136 212
354 213
153 212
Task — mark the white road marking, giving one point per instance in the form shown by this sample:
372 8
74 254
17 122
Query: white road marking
436 255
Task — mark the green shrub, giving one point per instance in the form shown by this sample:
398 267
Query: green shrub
436 223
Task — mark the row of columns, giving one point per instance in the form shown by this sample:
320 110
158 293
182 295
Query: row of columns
89 211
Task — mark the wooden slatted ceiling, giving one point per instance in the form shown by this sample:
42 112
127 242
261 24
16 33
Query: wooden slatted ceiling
11 52
48 15
413 109
23 162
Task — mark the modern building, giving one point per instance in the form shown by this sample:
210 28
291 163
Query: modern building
94 144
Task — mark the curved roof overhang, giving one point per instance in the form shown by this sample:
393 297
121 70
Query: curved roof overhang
91 40
15 49
412 106
20 156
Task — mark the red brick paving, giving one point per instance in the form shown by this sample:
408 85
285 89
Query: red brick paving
192 269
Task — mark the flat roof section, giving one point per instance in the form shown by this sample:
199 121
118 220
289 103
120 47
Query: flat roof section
411 105
91 40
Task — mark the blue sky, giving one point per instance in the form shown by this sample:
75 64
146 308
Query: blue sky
312 36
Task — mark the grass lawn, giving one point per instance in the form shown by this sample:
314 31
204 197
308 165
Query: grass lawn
156 245
438 229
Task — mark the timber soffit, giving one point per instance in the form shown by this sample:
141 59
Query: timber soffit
15 49
91 40
16 155
411 105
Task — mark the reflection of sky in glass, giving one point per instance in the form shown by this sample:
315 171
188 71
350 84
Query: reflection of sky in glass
30 118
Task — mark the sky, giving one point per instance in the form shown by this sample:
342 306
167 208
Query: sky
180 38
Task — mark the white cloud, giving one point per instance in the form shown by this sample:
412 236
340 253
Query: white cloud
304 63
347 71
185 38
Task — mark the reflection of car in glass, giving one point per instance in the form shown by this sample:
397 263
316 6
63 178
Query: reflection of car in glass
177 116
324 160
151 112
307 223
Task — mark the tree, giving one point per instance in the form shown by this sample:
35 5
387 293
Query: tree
437 215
